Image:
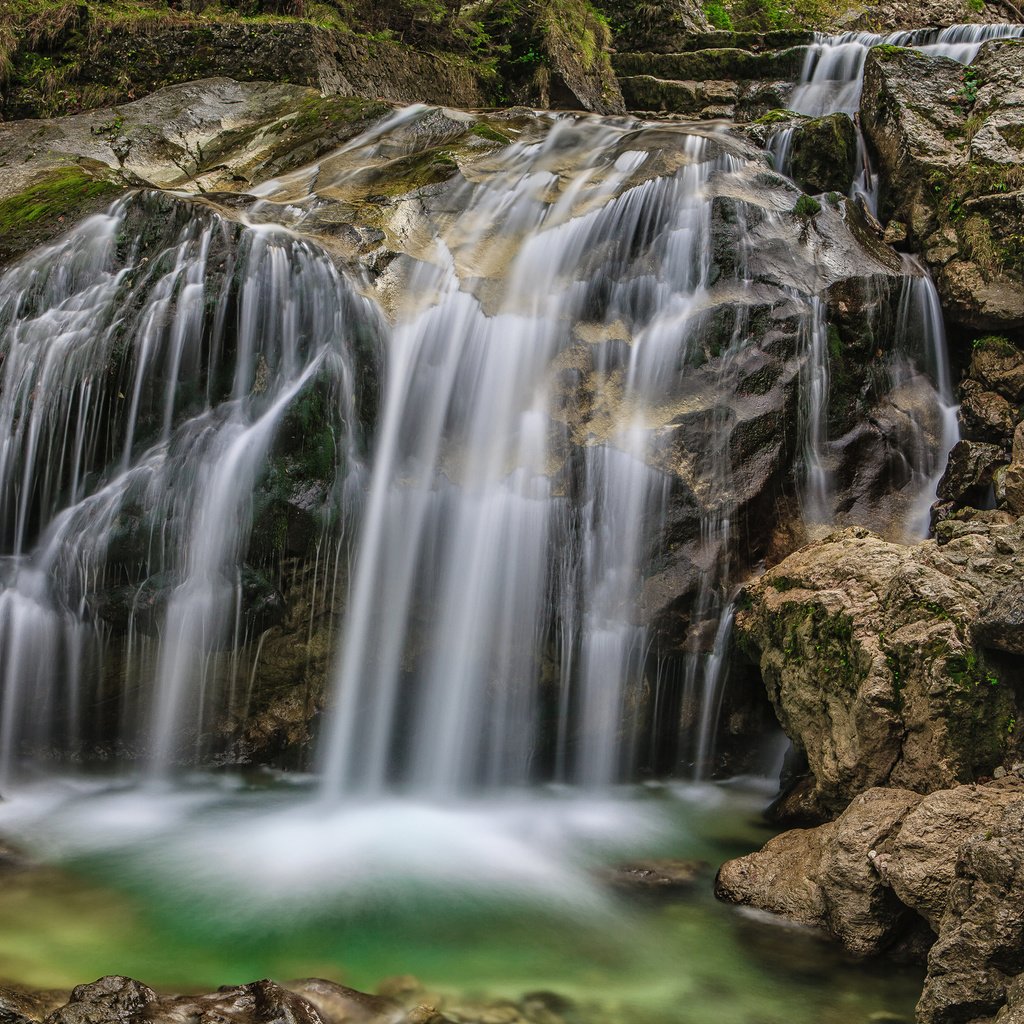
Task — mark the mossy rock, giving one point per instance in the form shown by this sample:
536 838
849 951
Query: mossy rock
823 156
726 64
50 205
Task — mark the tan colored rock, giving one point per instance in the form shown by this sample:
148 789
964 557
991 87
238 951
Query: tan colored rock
922 864
827 876
866 650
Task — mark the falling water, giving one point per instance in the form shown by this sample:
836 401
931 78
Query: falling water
142 388
474 510
833 75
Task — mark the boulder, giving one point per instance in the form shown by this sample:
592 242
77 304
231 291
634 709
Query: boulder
952 164
867 651
823 876
894 871
976 967
823 154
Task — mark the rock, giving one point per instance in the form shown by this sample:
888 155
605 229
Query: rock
260 1002
922 861
823 154
823 877
866 650
975 966
110 1000
143 55
953 171
894 860
970 472
338 1004
656 875
985 415
25 1006
556 54
1000 624
998 365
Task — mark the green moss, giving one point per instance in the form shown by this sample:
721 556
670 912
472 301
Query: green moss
807 207
886 52
51 200
785 583
488 132
777 116
995 343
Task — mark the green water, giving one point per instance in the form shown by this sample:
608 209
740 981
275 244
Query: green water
226 885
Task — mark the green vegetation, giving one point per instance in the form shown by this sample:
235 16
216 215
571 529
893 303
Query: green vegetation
995 343
807 207
41 209
774 15
716 13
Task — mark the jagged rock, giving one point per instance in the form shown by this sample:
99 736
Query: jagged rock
823 876
985 415
894 863
110 1000
979 955
969 473
953 171
866 650
1001 622
921 863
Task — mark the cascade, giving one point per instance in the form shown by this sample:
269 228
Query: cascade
832 76
143 384
556 437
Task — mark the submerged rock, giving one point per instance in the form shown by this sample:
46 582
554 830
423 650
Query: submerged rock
656 875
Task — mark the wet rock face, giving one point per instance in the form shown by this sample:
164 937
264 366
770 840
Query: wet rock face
986 469
868 652
952 164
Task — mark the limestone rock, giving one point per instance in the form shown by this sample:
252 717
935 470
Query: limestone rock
953 169
825 877
922 863
979 955
866 650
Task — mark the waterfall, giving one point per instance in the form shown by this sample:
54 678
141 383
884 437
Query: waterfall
525 563
833 73
555 459
143 383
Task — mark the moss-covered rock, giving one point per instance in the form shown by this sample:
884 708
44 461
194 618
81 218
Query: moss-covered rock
866 649
554 53
953 172
725 64
50 204
823 155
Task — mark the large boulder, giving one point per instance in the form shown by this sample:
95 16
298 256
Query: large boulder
894 871
866 648
952 161
976 968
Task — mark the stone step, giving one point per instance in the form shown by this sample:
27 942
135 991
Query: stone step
754 42
703 100
722 64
